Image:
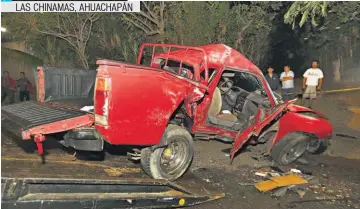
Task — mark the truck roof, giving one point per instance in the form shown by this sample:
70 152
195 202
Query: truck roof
219 55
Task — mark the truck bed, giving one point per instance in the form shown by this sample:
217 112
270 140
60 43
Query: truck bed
31 114
66 182
21 117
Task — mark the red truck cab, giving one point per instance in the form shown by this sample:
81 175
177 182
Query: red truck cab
186 93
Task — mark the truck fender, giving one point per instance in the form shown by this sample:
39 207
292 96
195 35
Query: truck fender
190 105
296 122
301 109
163 142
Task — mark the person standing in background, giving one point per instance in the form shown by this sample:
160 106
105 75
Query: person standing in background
287 79
25 87
8 86
272 79
312 81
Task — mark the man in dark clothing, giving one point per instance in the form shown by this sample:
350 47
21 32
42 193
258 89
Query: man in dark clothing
25 86
7 87
272 79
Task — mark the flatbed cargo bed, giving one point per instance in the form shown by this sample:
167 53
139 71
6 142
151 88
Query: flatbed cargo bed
27 119
67 182
31 114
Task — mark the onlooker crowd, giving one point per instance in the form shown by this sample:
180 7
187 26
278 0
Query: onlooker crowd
312 82
9 86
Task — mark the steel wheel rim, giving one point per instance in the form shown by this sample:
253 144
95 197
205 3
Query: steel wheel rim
174 157
314 145
295 152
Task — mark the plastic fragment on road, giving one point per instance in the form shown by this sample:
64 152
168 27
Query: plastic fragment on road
261 173
279 181
301 193
87 108
296 171
266 174
273 174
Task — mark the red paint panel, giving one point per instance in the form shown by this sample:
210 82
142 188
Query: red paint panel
244 136
294 122
141 103
297 108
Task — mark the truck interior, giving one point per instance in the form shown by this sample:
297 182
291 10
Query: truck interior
236 100
173 66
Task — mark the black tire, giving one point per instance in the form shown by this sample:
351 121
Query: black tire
179 151
290 148
318 146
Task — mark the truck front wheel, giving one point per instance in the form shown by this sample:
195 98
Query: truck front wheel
173 160
290 148
318 146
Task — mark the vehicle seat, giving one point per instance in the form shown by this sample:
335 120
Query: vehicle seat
249 108
219 118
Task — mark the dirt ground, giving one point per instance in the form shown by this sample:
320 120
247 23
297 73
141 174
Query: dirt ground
337 171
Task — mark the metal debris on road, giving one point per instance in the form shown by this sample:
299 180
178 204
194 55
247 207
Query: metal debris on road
279 192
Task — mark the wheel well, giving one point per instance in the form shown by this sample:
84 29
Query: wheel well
181 118
310 135
175 119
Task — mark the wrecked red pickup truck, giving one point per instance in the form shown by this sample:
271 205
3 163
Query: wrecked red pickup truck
183 93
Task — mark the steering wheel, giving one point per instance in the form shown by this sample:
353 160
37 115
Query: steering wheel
226 86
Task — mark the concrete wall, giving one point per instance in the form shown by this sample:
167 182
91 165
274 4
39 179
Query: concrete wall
15 62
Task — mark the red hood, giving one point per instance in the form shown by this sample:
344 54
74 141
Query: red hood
297 108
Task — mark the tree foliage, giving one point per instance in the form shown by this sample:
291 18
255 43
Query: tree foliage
326 30
249 27
244 26
72 28
150 20
306 10
75 29
333 39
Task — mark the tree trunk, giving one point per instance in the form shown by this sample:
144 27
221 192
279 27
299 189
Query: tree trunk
336 70
238 40
83 60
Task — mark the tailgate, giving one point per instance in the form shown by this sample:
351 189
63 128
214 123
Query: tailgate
31 118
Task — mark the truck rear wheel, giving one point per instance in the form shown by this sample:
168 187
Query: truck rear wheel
290 148
173 160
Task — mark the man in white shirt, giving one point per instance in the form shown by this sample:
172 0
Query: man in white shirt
312 81
287 79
